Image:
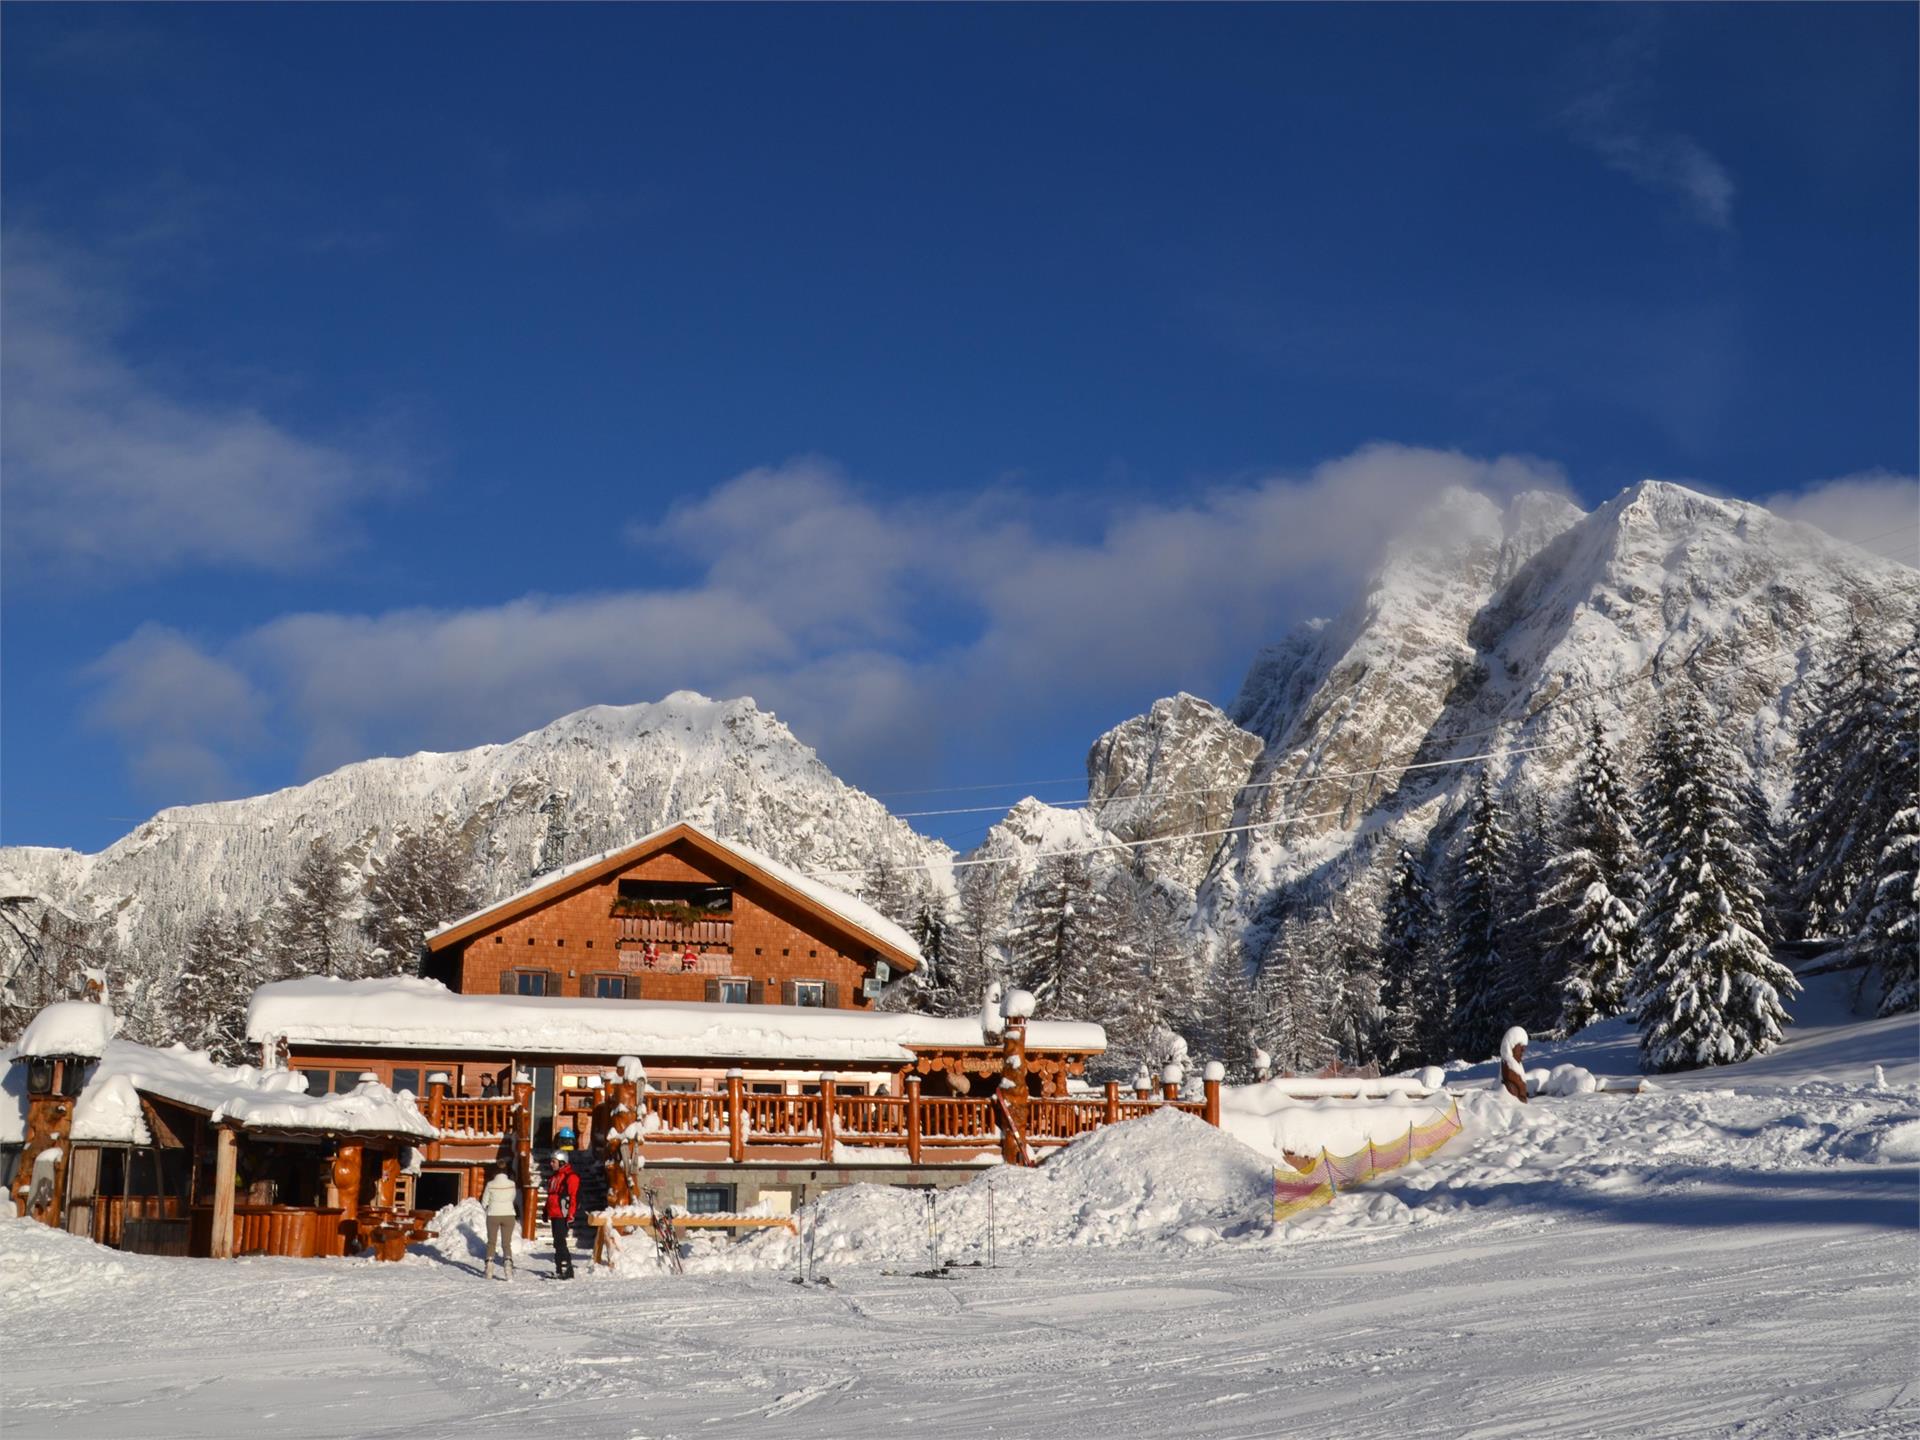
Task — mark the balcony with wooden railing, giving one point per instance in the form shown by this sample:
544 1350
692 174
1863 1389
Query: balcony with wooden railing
820 1127
676 935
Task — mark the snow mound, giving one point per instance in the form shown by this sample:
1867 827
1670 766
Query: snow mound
459 1237
1165 1178
38 1263
68 1027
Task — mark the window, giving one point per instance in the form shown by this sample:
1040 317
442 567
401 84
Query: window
810 992
767 1087
319 1082
345 1080
407 1078
709 1199
681 1087
610 987
736 992
530 982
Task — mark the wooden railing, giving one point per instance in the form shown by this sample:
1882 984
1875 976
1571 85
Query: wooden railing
686 1113
782 1117
461 1116
870 1118
825 1123
701 934
958 1120
1054 1122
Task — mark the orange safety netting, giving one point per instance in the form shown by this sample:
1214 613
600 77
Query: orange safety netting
1295 1191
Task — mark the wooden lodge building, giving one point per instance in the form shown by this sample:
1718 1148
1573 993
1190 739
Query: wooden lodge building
703 1018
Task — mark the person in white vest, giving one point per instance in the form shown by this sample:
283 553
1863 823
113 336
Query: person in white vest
501 1201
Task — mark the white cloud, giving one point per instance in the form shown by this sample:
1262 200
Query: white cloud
109 473
1874 509
879 629
179 713
1612 120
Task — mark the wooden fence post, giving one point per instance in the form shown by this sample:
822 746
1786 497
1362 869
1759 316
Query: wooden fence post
1214 1074
1171 1079
736 1117
826 1117
224 1158
913 1119
1112 1117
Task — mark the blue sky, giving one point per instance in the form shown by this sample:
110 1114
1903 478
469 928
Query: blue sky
956 381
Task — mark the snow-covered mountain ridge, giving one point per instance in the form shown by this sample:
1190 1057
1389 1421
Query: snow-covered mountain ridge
587 782
1499 633
1486 630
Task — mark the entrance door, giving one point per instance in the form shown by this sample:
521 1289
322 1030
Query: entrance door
543 1106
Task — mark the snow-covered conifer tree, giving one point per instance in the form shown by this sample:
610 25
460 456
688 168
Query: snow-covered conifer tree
217 977
1063 937
1414 998
1590 910
1231 1015
1706 987
1485 992
1889 938
1844 791
424 880
1291 997
308 933
976 943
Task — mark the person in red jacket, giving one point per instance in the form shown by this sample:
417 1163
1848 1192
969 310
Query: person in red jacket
563 1204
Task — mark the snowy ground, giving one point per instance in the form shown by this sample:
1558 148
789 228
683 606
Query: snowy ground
1734 1254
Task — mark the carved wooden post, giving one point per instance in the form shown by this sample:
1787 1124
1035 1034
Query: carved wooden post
1214 1074
523 1150
346 1177
1112 1116
224 1158
437 1084
826 1117
1171 1078
913 1119
736 1117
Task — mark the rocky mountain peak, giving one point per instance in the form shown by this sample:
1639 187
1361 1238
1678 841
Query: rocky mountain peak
1173 771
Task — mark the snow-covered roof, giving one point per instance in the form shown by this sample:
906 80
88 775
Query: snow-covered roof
854 911
409 1013
68 1027
107 1110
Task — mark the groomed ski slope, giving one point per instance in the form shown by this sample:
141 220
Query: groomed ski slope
1732 1254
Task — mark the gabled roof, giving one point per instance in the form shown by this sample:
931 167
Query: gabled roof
843 912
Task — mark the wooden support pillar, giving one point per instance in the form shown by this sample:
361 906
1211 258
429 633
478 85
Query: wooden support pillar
347 1158
913 1119
523 1151
225 1159
736 1117
1112 1117
826 1117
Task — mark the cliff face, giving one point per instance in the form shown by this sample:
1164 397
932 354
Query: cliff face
1176 770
